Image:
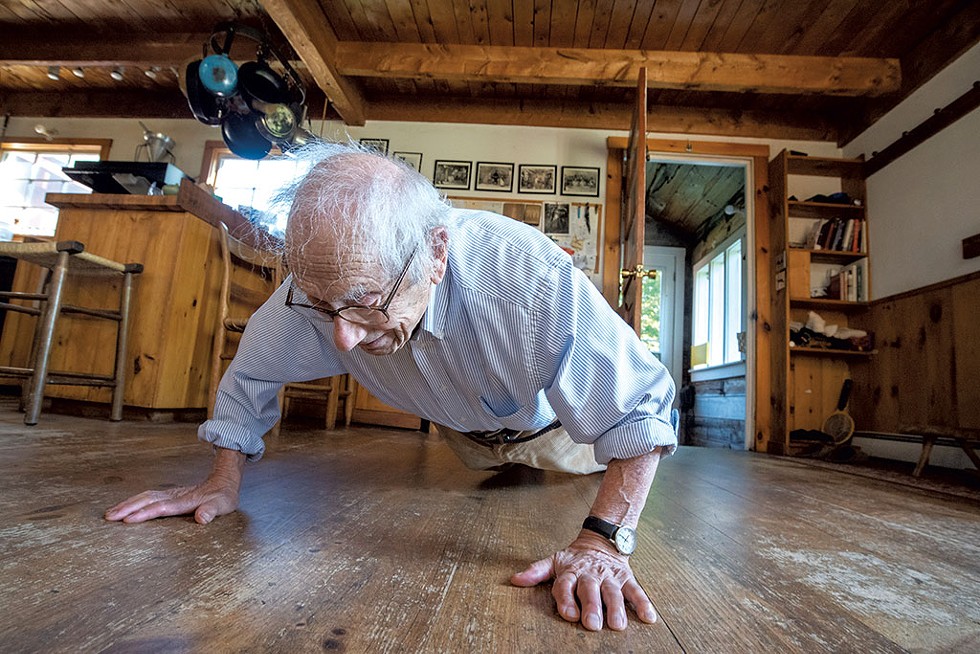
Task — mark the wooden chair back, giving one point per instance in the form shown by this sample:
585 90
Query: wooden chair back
249 276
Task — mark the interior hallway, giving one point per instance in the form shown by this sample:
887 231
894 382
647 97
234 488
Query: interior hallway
371 540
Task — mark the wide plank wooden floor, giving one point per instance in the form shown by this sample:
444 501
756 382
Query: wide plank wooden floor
371 540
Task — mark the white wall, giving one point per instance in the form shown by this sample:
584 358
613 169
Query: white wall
436 141
529 145
922 205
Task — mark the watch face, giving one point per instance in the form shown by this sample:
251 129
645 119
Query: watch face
625 540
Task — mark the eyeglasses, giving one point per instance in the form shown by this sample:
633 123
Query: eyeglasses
356 313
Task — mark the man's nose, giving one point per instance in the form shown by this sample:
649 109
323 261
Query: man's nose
347 335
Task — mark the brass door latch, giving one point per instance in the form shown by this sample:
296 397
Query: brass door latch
638 271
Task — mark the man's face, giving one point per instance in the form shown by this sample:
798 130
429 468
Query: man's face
360 283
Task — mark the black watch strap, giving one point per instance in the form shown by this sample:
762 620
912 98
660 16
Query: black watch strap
624 538
601 527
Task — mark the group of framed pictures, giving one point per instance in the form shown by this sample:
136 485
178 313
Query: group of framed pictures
412 159
499 177
531 178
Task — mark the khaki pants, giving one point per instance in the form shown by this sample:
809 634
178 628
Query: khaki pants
551 451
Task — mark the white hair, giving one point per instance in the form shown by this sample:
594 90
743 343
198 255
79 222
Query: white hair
362 202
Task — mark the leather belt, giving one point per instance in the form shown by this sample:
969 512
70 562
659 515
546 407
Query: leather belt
508 436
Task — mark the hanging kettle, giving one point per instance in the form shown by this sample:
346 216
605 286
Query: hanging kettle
206 107
219 74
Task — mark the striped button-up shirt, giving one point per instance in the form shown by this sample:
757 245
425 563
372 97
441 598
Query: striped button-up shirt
513 337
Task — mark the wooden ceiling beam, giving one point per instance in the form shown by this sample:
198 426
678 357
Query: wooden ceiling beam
135 50
610 116
309 32
692 71
135 103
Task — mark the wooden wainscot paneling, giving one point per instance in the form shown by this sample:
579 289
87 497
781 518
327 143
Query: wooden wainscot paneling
718 417
928 362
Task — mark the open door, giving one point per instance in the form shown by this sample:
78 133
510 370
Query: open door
634 213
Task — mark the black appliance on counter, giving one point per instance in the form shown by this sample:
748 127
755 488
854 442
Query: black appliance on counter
134 177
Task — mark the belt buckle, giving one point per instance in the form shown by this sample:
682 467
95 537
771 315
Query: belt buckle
507 436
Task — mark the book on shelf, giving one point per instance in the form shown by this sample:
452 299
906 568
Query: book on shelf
848 236
813 236
825 234
835 234
850 283
838 234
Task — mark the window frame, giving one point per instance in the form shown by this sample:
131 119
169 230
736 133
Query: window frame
734 367
40 145
215 152
36 144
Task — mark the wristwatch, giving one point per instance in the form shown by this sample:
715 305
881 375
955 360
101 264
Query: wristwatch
624 538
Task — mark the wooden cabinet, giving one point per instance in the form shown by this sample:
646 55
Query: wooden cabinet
815 235
175 300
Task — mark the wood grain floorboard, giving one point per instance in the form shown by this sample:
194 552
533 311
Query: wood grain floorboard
370 540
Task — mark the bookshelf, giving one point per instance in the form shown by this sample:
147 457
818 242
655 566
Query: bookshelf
820 246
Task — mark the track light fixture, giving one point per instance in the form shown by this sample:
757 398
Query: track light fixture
78 72
54 72
152 72
117 74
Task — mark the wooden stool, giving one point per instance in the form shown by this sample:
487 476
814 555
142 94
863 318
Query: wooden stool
964 438
65 259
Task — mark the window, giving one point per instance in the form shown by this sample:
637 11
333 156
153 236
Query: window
650 314
248 186
29 171
718 306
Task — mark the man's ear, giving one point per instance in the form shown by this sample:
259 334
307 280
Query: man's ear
440 253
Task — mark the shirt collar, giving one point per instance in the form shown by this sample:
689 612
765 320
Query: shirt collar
434 320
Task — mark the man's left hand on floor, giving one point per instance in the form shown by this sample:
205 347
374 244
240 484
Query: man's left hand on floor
589 572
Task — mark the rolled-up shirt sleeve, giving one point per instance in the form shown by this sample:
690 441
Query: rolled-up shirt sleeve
603 383
280 345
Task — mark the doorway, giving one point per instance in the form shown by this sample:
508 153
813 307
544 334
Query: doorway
700 204
755 259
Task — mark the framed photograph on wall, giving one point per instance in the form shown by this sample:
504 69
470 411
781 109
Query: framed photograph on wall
452 174
381 145
413 159
576 180
494 176
534 178
555 218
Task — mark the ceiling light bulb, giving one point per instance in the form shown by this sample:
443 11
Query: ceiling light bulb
78 72
117 74
54 72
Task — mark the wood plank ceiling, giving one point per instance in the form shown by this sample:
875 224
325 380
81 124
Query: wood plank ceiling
813 69
692 198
